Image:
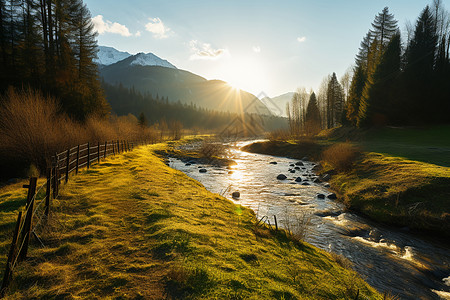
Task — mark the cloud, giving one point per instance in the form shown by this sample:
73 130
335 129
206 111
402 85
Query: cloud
138 33
157 27
301 39
256 49
205 51
102 26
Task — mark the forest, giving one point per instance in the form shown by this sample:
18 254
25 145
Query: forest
395 81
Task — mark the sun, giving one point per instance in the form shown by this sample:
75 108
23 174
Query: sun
234 86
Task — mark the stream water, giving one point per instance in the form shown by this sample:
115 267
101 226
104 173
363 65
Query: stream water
389 259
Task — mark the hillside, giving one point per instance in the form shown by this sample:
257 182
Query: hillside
182 85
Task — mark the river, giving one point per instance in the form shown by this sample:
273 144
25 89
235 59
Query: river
389 259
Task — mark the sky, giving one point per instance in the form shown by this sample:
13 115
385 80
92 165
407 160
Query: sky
258 46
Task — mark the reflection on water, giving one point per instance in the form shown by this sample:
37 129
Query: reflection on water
388 259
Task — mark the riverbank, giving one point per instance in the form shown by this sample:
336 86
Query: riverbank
393 190
131 227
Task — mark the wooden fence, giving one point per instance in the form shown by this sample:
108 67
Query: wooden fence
37 209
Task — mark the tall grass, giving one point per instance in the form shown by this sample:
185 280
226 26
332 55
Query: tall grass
33 128
341 156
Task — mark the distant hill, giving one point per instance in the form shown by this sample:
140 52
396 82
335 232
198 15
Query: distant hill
179 85
278 104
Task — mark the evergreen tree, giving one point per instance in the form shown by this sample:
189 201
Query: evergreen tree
355 94
335 102
384 27
419 69
313 121
142 121
378 96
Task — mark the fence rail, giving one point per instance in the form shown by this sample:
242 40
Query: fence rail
64 165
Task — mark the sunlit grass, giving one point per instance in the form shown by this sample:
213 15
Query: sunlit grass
132 227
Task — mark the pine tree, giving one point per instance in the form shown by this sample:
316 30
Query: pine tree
384 27
355 94
142 121
313 121
419 69
335 102
377 98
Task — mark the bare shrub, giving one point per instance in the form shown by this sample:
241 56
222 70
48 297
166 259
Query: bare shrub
279 135
341 156
342 260
211 150
297 225
31 127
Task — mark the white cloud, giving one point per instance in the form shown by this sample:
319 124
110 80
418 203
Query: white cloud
256 49
157 27
102 26
301 39
205 51
138 33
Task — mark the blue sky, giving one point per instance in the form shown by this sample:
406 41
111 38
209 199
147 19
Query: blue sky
270 46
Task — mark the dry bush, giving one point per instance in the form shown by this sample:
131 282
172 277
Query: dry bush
99 130
342 260
341 156
279 135
31 127
210 150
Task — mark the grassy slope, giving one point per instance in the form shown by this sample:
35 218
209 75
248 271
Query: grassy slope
134 228
398 191
389 187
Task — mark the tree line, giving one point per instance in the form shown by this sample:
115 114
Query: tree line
395 80
50 45
159 112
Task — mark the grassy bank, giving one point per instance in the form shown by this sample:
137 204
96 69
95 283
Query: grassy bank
133 228
386 188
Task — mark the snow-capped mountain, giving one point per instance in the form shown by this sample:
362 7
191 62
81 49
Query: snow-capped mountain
149 59
108 55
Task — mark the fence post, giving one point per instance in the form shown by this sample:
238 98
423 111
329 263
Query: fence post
47 192
104 153
89 156
78 159
114 148
28 218
276 223
55 176
98 152
11 257
67 164
118 147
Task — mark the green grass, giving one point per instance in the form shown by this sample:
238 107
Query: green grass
133 228
426 144
398 191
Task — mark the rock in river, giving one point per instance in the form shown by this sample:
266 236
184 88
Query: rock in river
202 170
298 179
299 163
321 196
281 177
332 196
236 194
273 163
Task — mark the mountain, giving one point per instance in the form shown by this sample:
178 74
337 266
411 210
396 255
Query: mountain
108 56
277 105
149 59
180 85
